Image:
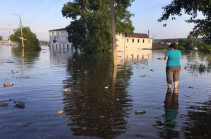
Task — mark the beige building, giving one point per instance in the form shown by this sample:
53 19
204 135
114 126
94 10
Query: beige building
133 47
133 42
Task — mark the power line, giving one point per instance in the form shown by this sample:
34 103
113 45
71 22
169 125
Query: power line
43 11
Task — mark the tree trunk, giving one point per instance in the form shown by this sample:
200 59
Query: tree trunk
113 32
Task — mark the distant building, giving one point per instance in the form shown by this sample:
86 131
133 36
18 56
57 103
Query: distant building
169 41
4 42
59 37
133 47
133 42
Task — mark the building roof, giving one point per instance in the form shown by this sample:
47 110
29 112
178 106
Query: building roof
138 35
60 29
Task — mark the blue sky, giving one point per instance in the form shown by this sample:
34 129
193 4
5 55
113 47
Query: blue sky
44 15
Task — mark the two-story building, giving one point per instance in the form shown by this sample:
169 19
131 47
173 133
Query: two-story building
133 42
58 37
135 46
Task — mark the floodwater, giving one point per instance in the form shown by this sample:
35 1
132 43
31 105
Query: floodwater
103 100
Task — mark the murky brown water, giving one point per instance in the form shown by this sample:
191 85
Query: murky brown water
103 99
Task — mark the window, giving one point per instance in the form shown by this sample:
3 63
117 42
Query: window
127 40
138 40
132 40
143 40
149 40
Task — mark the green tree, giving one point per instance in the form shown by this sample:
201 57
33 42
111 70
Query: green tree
90 29
31 42
193 8
1 38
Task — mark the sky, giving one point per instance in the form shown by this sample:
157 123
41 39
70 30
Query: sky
44 15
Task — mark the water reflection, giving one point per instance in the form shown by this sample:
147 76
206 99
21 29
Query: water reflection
28 56
99 102
134 56
61 53
198 63
198 124
171 109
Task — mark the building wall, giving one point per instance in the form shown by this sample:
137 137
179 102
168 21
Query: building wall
130 50
59 38
132 44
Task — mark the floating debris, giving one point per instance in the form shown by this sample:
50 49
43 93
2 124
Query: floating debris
159 58
60 112
190 87
66 90
7 84
143 75
140 112
106 87
163 115
22 77
152 70
27 124
3 105
19 104
14 71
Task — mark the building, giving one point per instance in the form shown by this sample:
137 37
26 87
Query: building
132 47
6 42
169 41
133 42
58 37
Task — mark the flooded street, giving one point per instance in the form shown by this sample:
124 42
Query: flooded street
103 101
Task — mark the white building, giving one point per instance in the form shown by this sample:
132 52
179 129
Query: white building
59 37
133 42
133 47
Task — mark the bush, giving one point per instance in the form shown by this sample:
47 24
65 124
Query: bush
205 47
180 47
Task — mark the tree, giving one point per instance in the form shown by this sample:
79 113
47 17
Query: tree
193 8
1 38
90 29
31 42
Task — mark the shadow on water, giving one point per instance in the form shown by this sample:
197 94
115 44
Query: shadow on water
99 102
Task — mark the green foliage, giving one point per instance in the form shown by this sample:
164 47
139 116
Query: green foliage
190 43
180 47
161 48
192 8
1 38
31 43
90 29
204 47
44 43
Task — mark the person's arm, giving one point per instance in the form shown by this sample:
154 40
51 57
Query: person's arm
166 56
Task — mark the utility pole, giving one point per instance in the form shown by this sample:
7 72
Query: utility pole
21 30
113 32
9 37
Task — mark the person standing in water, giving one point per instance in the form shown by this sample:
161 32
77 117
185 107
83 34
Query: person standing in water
173 66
